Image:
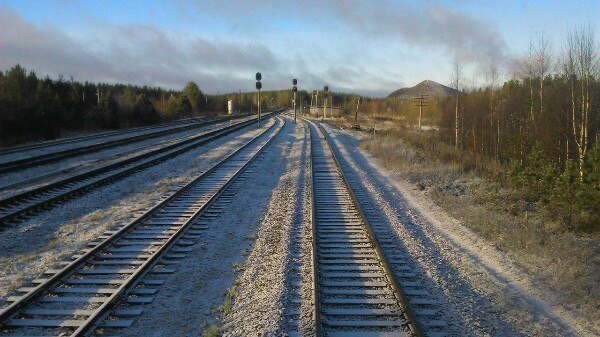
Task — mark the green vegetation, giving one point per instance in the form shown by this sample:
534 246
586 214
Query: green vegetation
212 331
229 297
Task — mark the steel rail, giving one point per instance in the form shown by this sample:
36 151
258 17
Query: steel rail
389 274
23 197
39 145
125 287
33 161
315 281
403 299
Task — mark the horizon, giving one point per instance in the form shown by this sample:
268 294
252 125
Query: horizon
221 45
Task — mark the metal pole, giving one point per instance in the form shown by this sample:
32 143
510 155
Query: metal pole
294 106
258 107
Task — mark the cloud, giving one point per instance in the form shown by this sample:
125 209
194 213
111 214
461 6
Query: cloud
138 54
358 49
465 37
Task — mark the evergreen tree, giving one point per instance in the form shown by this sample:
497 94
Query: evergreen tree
184 106
194 95
144 111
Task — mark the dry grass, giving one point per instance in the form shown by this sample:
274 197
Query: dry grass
469 188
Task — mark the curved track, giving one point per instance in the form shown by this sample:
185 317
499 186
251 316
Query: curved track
16 206
79 298
355 290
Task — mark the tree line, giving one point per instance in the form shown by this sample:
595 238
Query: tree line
542 124
34 108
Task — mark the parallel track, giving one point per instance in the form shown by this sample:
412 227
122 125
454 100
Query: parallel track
26 203
77 299
355 290
33 161
40 145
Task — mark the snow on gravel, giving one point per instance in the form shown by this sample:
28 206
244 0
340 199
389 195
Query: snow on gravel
37 244
483 292
83 142
190 299
87 161
259 300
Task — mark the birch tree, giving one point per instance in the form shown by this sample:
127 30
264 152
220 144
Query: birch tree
580 65
492 76
457 78
541 67
527 74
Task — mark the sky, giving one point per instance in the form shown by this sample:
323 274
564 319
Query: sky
370 47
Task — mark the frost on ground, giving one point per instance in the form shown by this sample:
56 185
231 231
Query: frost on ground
482 291
101 137
36 176
259 296
200 290
39 243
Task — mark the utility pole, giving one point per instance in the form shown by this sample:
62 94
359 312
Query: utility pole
421 101
258 87
356 112
295 89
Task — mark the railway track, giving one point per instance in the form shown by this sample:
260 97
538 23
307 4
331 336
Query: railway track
37 160
40 145
15 207
427 310
355 290
81 297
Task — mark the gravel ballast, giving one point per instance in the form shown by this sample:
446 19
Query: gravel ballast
38 243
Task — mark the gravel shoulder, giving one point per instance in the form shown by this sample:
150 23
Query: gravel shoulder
483 291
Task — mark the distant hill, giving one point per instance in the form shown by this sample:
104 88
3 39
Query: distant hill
431 88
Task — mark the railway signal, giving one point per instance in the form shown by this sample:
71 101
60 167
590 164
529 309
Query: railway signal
295 89
258 87
326 94
316 102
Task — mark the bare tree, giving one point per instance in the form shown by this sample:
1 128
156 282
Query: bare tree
492 76
542 66
527 73
456 80
580 64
